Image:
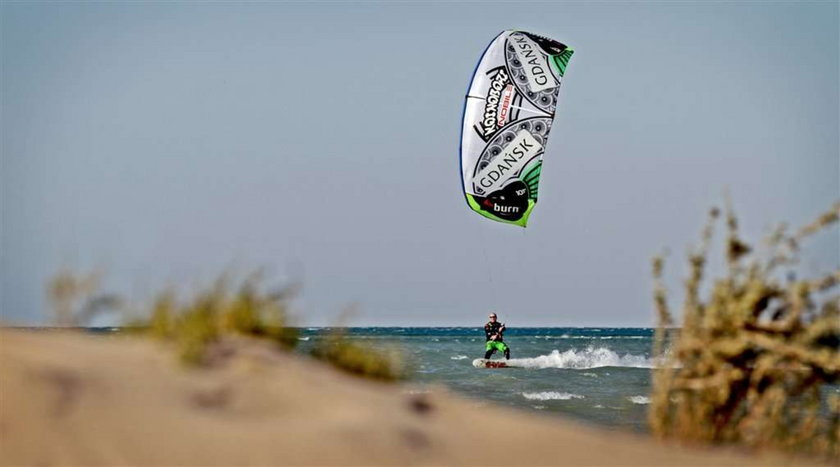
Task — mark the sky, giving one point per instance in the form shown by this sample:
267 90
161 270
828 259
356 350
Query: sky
165 143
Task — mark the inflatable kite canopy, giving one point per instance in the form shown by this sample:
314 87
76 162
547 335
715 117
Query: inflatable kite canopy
507 118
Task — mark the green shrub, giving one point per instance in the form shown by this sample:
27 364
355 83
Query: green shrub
217 311
192 325
359 359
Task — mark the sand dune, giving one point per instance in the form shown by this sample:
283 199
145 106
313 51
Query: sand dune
70 398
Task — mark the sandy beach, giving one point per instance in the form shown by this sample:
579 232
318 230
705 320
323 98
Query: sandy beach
75 399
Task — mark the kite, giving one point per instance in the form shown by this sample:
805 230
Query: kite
508 113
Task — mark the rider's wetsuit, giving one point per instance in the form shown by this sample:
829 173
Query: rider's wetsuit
492 346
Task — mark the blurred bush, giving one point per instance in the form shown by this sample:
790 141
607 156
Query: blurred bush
756 361
221 309
218 310
75 298
360 359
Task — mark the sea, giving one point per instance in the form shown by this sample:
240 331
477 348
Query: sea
600 376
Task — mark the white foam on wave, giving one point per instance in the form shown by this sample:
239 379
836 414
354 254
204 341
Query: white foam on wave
639 399
566 336
459 357
550 396
590 357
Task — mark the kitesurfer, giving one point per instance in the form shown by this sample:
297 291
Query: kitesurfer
493 331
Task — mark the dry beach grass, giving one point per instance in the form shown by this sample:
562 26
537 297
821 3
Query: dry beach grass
756 358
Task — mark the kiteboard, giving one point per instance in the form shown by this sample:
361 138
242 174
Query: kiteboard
508 114
484 363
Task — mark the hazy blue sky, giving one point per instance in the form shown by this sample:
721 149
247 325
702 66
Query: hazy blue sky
165 142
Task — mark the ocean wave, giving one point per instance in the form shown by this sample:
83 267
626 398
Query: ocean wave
591 357
458 357
639 399
550 396
303 338
566 336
